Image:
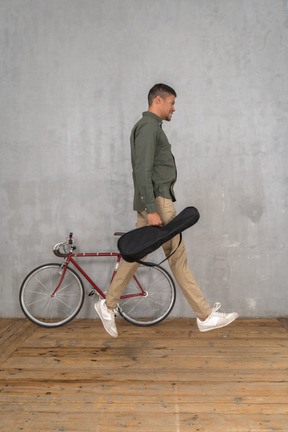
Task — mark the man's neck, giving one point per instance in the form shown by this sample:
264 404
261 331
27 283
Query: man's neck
154 110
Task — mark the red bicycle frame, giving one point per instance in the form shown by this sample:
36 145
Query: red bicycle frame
70 259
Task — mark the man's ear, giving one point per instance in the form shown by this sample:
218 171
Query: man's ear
158 100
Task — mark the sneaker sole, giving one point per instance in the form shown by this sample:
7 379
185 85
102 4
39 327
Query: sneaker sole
103 322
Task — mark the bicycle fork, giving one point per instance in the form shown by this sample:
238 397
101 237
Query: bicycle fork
62 271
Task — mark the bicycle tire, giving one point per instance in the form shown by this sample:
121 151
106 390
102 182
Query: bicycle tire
158 302
36 301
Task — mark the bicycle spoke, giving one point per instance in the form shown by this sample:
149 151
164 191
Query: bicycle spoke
41 283
64 287
62 302
40 293
44 309
133 308
34 302
154 306
151 300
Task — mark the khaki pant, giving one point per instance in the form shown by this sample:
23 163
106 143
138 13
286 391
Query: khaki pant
178 264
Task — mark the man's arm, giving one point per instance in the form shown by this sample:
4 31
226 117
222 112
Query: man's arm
143 154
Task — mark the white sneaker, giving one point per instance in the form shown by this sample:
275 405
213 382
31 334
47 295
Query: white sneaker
216 319
107 317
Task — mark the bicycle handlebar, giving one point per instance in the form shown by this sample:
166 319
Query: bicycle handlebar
69 242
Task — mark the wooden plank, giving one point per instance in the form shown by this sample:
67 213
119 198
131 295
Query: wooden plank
152 341
132 422
171 350
162 375
13 334
148 403
113 406
63 360
204 389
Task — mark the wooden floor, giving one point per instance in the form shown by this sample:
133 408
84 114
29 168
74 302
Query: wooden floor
166 378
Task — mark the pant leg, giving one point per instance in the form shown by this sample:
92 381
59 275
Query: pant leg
124 273
178 263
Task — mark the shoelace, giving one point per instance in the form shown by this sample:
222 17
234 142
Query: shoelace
215 308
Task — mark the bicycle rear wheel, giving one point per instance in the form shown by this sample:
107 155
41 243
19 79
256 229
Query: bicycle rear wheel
36 298
158 301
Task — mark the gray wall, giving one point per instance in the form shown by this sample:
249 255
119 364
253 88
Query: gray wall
74 79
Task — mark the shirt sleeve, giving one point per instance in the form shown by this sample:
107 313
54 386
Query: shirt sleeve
144 150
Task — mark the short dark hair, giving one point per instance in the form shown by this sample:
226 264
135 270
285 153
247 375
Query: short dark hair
161 90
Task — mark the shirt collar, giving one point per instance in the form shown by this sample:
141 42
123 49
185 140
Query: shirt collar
153 116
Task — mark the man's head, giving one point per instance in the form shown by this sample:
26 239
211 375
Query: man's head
161 100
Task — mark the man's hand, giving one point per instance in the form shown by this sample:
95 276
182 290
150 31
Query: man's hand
154 219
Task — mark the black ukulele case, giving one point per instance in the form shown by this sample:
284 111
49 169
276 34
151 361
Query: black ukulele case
136 244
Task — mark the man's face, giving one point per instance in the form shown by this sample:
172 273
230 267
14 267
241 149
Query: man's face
167 107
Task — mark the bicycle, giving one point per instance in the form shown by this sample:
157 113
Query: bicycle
51 295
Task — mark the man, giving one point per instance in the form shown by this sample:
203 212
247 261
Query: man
154 175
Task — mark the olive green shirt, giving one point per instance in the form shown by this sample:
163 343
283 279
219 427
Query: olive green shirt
154 169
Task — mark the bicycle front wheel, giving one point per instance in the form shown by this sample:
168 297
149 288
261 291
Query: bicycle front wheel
149 297
36 298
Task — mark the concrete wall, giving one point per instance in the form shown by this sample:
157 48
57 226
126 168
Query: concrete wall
74 79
